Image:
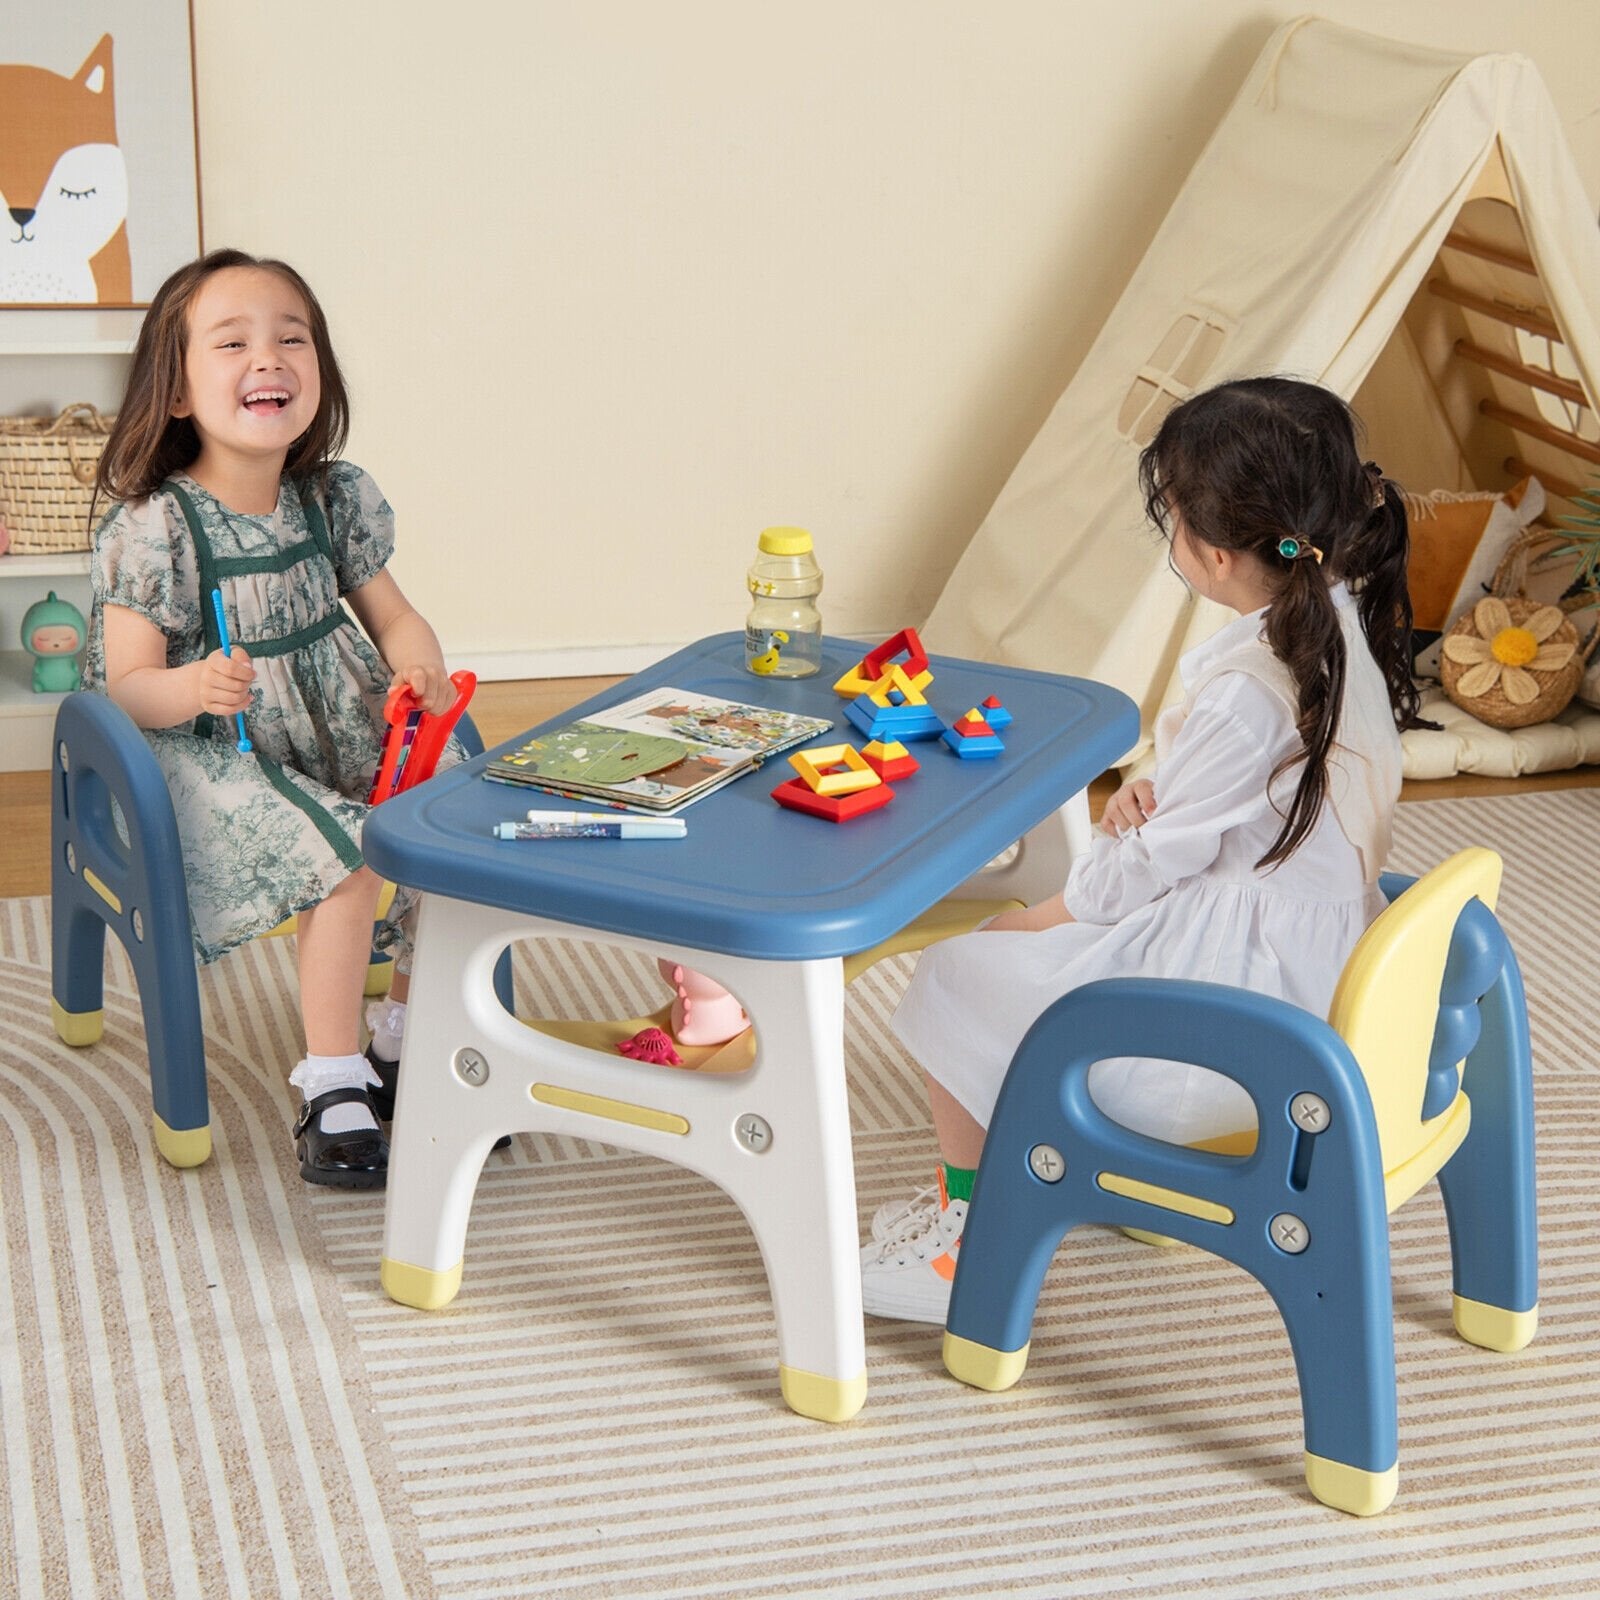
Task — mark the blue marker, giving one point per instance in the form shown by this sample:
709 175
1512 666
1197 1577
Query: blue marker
227 650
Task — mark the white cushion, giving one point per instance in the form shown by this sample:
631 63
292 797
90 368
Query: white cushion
1463 744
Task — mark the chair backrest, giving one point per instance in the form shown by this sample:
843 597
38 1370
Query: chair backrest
1387 1007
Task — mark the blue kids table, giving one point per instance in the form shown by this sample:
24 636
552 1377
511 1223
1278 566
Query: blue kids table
763 899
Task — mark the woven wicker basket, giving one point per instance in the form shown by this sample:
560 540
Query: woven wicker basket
47 469
1555 687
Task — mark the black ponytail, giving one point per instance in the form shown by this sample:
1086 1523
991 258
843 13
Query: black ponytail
1270 466
1374 565
1302 627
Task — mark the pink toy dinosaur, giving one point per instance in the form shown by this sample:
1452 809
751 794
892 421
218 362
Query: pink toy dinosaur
703 1012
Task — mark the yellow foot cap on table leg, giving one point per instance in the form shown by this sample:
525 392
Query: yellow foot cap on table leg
827 1399
981 1365
77 1028
421 1287
1352 1489
1494 1327
182 1147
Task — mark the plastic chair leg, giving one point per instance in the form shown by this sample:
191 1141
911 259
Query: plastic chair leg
1488 1185
170 997
1008 1241
1342 1334
77 958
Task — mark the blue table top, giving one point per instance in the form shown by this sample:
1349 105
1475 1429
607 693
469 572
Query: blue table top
754 878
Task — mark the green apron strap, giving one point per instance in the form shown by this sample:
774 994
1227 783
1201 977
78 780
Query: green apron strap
318 525
206 559
205 723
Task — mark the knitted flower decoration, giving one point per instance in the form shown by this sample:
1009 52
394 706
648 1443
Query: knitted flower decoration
1507 654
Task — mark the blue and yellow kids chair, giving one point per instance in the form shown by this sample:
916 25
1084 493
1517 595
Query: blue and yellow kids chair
1354 1115
134 886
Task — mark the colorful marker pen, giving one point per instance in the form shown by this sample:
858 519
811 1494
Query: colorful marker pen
642 828
227 650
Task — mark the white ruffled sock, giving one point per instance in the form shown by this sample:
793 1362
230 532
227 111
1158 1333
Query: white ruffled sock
387 1020
318 1074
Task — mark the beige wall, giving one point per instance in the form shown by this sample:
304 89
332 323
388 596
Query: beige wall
617 285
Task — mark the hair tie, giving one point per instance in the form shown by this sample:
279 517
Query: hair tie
1375 480
1292 549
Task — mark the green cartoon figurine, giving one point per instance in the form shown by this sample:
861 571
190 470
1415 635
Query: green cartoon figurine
53 633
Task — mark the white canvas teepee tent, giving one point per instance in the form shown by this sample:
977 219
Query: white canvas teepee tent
1403 225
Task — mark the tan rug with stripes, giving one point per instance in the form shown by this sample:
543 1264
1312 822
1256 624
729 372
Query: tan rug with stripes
203 1391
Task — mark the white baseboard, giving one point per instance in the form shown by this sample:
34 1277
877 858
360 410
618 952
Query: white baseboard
576 661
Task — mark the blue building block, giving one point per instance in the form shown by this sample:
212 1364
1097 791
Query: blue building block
973 746
905 722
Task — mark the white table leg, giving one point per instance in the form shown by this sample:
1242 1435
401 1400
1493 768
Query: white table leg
776 1138
796 1185
444 1125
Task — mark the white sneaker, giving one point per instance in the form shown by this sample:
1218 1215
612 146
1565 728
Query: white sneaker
908 1273
895 1217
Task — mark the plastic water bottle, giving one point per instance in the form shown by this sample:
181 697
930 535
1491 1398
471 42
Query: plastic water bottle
783 632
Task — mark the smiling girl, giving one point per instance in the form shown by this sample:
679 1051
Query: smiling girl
224 462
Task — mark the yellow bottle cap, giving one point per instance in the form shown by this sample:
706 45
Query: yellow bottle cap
785 541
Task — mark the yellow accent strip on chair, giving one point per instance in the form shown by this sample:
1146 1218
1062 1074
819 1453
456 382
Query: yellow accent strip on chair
77 1028
101 890
182 1147
1493 1327
597 1105
1352 1489
809 1394
982 1365
1168 1199
421 1287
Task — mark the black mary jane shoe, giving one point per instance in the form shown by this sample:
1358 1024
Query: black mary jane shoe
382 1095
382 1092
358 1159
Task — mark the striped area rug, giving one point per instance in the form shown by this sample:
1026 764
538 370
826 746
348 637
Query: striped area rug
203 1392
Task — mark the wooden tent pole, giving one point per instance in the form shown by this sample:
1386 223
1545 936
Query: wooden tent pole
1529 321
1562 388
1561 487
1569 443
1489 252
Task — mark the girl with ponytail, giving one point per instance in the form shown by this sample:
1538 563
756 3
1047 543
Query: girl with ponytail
1251 857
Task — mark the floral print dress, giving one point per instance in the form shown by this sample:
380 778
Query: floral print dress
270 832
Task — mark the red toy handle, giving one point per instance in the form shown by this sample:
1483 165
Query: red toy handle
414 739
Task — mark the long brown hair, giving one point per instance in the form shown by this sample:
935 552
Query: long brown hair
148 444
1251 463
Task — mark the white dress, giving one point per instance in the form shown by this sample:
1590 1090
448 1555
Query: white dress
1181 897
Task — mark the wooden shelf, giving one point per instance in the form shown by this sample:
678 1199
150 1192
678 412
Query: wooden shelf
68 333
68 564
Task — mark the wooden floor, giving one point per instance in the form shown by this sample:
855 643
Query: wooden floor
502 710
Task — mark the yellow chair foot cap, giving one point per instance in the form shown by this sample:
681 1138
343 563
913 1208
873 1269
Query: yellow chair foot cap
981 1365
827 1399
421 1287
182 1147
77 1028
1353 1489
1494 1327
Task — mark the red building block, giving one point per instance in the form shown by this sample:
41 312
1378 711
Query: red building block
798 796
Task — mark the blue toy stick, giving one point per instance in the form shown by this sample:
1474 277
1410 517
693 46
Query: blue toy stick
227 650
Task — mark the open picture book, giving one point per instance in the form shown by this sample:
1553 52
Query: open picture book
658 752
